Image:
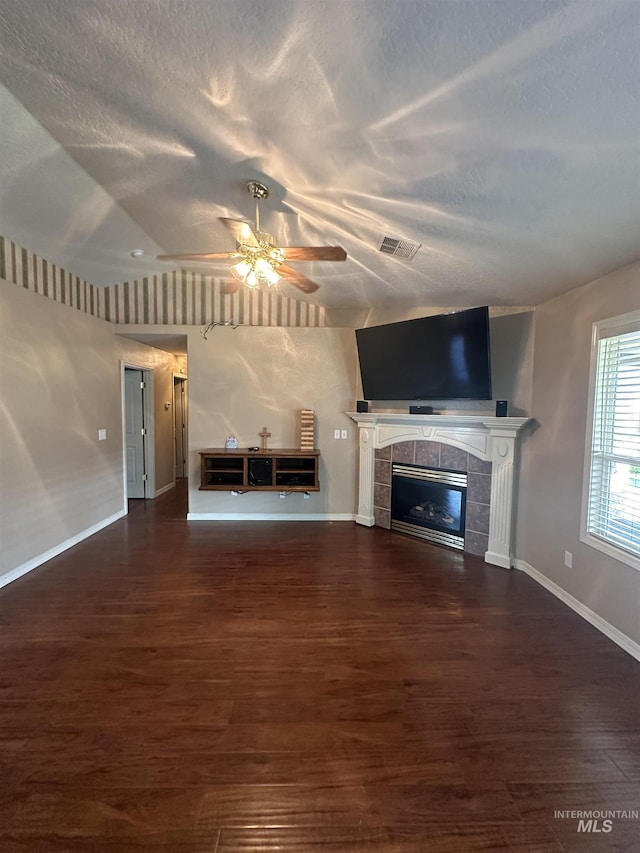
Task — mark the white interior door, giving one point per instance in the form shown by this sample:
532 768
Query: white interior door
135 432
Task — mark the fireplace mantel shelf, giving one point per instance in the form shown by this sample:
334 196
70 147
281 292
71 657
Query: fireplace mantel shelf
489 438
459 421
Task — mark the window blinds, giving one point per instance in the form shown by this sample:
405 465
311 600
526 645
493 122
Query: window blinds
614 495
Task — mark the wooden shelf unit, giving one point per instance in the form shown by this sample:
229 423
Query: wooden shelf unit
243 470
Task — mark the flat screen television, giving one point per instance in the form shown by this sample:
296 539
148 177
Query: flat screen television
441 357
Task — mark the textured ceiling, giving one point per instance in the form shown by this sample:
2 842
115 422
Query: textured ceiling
500 134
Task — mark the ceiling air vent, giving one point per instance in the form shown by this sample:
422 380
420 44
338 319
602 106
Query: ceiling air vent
398 246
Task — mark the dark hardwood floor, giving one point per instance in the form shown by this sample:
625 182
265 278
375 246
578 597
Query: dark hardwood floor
204 686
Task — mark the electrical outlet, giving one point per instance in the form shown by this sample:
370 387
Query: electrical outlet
102 435
336 433
343 433
568 559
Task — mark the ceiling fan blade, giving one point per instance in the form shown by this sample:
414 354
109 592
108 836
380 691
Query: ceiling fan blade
203 258
229 287
242 231
314 253
297 279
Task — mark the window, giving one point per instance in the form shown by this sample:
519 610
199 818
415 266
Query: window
611 508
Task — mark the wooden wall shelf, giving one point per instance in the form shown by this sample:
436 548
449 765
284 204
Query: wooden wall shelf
243 470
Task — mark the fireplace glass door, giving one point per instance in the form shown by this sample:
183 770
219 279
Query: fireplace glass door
429 503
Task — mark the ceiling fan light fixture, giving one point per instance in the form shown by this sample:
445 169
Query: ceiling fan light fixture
265 270
255 270
257 259
241 270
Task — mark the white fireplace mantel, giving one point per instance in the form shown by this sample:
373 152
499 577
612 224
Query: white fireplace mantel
490 438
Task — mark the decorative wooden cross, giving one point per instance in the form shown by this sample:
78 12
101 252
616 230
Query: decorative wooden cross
264 435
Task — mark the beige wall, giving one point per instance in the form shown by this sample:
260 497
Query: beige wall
59 384
243 379
550 490
512 336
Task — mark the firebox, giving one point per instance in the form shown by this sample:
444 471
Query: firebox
429 503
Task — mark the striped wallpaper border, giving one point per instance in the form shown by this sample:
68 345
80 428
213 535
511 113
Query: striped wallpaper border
20 266
178 297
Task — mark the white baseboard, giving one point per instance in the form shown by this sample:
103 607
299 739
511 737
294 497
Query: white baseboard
497 559
19 571
581 609
268 516
164 489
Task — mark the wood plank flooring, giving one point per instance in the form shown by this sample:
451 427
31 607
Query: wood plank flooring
203 686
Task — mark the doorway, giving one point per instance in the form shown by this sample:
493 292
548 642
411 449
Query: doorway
137 391
180 426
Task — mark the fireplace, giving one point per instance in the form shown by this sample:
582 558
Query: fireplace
489 446
429 503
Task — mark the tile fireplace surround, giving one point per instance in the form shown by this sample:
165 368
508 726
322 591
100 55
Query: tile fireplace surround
486 440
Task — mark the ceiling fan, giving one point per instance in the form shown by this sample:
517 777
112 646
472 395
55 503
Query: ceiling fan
257 259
